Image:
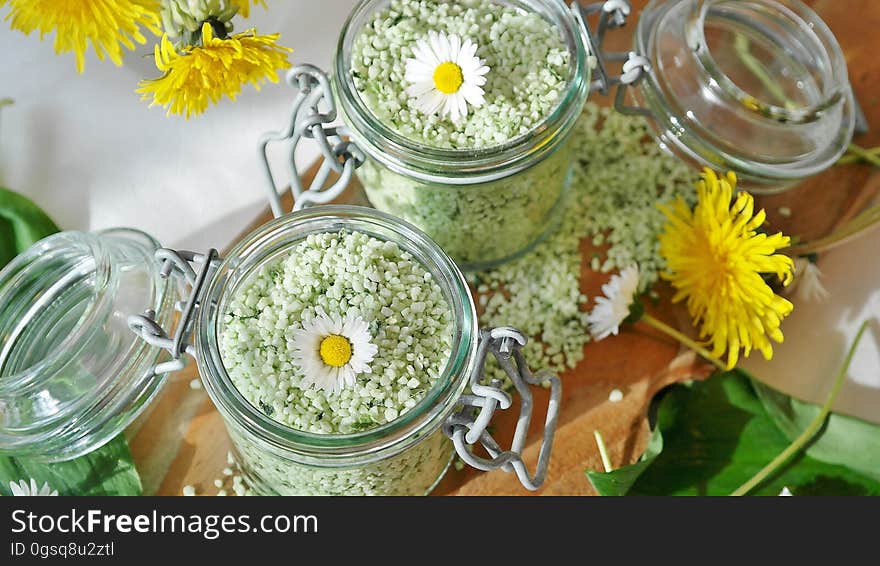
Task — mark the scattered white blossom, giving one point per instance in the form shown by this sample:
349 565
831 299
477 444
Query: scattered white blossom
612 309
808 285
189 490
785 492
23 488
616 396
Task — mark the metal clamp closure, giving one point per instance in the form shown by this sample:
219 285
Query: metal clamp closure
469 424
177 264
612 14
340 156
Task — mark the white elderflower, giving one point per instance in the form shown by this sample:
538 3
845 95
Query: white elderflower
23 489
446 75
332 351
808 281
612 309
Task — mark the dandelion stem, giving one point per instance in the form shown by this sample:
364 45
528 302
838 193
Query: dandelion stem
814 426
690 343
603 452
856 153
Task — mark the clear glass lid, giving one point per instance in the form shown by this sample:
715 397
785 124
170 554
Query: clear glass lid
759 87
72 374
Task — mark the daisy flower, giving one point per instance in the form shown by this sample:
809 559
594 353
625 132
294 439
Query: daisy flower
23 489
716 259
108 25
333 351
808 281
201 74
614 308
446 75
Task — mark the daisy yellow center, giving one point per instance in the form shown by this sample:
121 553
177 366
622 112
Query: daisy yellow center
448 77
335 350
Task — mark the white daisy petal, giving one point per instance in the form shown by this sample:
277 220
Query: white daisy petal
462 104
23 488
473 94
434 41
428 56
432 102
454 48
612 309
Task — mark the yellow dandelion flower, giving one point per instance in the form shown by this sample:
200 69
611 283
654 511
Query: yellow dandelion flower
199 75
244 6
107 24
715 258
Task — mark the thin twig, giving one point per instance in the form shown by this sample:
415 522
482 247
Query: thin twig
603 452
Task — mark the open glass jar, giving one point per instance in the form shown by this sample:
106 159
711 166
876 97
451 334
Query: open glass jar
409 453
72 375
405 456
757 87
77 366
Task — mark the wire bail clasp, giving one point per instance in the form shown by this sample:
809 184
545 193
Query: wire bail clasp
468 425
340 156
612 14
178 264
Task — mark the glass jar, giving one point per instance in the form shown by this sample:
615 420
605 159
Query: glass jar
406 456
758 87
72 375
77 365
483 206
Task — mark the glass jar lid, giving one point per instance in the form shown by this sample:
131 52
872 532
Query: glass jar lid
759 87
72 374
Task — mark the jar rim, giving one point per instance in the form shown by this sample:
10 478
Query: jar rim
88 247
459 166
674 125
794 10
278 237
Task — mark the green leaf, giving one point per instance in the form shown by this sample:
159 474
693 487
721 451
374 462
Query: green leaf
24 221
108 470
715 435
844 440
620 481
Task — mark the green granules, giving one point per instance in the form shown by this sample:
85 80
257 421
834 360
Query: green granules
620 176
476 224
334 275
528 61
411 472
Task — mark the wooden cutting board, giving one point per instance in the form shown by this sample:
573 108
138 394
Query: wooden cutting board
182 439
